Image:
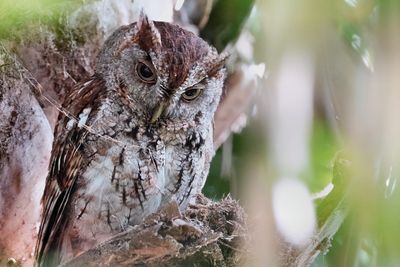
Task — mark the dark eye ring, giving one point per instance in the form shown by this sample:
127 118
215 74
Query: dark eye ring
146 72
192 93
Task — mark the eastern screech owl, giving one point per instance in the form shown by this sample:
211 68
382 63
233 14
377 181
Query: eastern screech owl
138 134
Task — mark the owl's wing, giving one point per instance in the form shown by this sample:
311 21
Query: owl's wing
65 163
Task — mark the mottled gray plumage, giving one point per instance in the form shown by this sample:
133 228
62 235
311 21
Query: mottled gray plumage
138 134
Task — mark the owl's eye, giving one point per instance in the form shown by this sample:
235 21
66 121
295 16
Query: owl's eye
192 93
146 72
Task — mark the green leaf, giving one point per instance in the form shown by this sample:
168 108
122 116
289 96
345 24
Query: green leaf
336 198
226 22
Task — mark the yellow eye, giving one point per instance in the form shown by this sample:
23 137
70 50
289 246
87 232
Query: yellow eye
146 72
192 93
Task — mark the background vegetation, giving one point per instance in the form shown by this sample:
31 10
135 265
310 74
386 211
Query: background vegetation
350 50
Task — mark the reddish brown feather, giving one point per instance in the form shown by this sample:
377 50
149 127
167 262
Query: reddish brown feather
65 162
179 49
182 50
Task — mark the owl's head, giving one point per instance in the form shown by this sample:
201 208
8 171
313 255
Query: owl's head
170 73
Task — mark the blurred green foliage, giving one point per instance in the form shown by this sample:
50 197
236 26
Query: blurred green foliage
340 181
226 21
217 185
248 145
252 144
323 146
20 14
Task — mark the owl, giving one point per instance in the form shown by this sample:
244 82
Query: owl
135 136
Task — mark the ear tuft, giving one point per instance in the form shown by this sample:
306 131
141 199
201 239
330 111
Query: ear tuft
148 35
143 19
218 64
223 57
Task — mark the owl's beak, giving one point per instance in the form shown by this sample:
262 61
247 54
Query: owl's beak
158 111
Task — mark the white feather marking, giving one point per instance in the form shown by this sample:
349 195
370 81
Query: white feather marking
70 124
83 117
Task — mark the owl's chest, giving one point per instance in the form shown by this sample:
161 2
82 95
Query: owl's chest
124 176
130 171
129 178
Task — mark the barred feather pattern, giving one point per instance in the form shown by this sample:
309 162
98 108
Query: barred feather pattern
113 160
